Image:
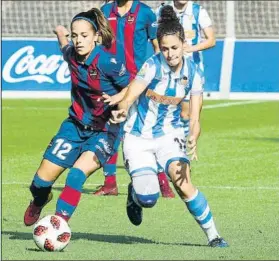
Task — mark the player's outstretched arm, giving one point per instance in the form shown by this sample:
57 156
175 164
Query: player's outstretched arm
62 35
134 90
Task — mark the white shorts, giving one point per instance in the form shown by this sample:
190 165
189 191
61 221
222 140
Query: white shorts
141 153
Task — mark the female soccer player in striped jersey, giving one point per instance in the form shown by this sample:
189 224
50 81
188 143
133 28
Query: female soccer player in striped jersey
196 23
86 139
154 131
133 24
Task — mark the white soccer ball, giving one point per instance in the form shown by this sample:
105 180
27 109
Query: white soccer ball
52 233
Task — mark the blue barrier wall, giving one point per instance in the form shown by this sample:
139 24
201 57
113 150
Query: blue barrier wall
38 65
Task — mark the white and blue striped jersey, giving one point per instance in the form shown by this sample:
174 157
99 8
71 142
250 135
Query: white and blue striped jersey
193 19
157 110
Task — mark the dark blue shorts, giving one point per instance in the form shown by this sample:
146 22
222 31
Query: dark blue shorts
72 140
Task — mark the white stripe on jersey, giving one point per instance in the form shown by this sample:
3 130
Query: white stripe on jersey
158 108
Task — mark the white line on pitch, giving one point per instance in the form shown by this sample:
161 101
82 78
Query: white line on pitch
219 105
229 104
125 185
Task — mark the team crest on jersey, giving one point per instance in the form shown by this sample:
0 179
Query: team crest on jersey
130 19
93 73
183 80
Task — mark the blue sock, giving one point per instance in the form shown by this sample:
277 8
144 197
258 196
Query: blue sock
110 166
40 190
71 194
199 208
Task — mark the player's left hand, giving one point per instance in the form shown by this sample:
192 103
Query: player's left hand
192 148
187 49
118 116
111 100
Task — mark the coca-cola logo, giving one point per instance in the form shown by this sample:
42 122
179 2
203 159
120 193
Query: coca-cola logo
23 65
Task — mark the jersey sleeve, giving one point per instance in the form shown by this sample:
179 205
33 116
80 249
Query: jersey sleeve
117 72
152 24
204 19
197 81
147 72
67 52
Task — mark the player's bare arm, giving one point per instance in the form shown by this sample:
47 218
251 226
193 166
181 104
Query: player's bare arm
195 128
155 45
62 35
114 99
135 89
208 43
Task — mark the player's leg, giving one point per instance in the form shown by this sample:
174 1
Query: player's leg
41 190
143 191
110 185
60 154
165 188
195 200
177 166
95 151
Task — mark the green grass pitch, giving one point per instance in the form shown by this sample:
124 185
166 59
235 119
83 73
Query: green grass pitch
237 171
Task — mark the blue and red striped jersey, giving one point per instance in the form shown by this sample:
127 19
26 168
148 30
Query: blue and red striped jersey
132 32
101 73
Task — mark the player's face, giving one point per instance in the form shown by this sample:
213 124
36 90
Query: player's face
83 37
172 49
180 2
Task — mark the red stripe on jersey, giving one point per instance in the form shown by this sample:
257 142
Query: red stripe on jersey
129 31
94 83
74 77
70 195
113 24
78 110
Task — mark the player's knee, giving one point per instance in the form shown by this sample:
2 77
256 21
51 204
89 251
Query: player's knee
147 201
75 178
146 187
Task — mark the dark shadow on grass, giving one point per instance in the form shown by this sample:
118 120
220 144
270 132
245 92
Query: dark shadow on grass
115 239
90 191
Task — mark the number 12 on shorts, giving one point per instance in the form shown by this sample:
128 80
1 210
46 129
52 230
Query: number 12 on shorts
61 149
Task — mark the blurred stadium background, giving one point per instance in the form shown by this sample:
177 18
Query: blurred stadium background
247 41
253 19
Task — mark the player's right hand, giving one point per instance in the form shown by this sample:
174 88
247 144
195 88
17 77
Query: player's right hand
60 29
118 116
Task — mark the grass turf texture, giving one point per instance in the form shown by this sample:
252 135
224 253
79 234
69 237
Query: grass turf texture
237 171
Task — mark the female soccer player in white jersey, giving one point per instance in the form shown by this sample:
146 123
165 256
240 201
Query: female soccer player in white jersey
154 131
196 22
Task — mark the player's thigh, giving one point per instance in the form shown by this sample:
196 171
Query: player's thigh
49 171
65 147
170 148
87 162
97 150
138 153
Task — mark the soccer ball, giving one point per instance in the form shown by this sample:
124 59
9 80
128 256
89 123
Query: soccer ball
52 233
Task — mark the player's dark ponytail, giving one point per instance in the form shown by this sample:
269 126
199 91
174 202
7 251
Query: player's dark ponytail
99 23
168 24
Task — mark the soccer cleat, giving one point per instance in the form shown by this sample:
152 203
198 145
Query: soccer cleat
134 212
33 212
166 189
106 190
218 242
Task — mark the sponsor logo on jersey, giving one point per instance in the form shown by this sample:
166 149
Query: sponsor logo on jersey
166 100
122 70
